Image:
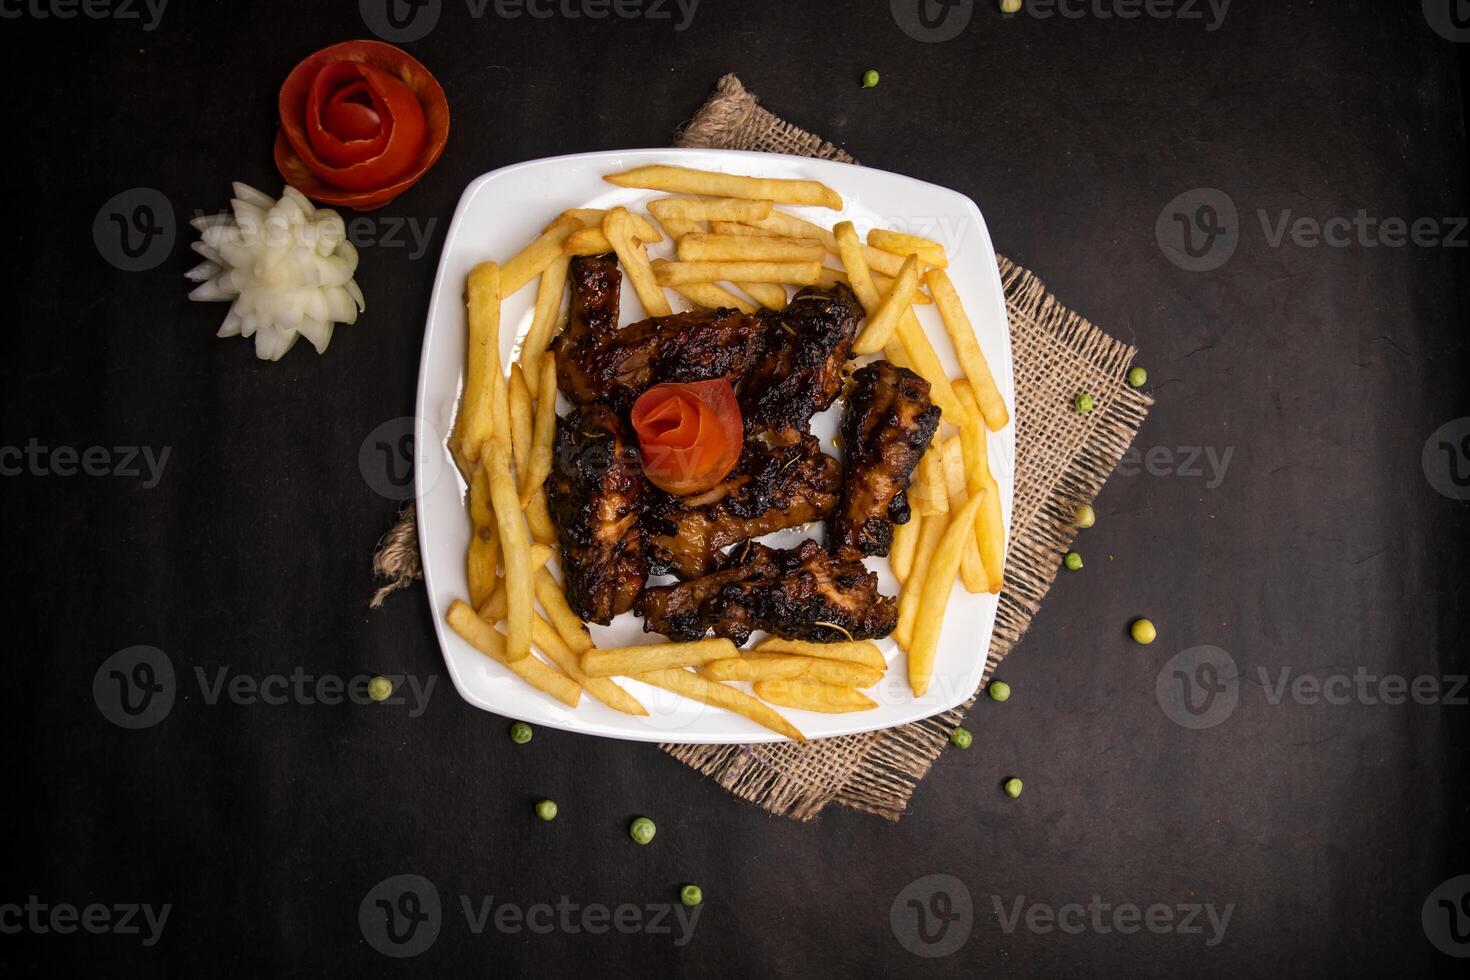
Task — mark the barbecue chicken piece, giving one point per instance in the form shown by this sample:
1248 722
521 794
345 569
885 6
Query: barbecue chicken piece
769 490
888 425
595 493
801 594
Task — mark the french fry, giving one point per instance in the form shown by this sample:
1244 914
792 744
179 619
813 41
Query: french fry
481 411
683 180
549 293
938 584
538 517
883 322
930 534
831 277
691 685
925 362
493 609
549 642
515 549
492 643
618 228
704 247
972 572
629 661
484 552
568 624
713 297
532 260
843 673
898 243
812 696
928 494
643 229
667 209
767 294
990 530
967 350
520 419
853 651
588 241
543 433
905 538
781 223
677 273
751 669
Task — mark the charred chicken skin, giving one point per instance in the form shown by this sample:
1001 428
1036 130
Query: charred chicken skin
769 490
799 372
596 492
803 593
887 427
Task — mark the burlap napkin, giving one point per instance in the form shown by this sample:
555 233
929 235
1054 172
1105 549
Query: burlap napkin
1062 460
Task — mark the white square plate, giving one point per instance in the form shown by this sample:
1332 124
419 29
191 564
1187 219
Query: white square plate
502 211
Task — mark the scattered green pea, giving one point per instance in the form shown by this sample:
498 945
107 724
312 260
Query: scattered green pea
1013 787
380 688
691 895
1086 516
520 733
1073 561
1083 402
1137 377
870 79
1010 6
999 691
642 830
546 810
961 738
1143 632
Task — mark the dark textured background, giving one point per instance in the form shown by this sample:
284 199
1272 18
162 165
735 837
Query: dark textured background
1324 548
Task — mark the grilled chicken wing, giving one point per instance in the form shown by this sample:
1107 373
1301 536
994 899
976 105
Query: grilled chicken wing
888 425
800 371
801 594
592 320
595 494
769 490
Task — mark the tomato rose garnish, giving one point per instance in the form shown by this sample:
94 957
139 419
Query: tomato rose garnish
690 434
361 122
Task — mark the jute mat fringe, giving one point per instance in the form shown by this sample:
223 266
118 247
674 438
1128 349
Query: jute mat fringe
1062 460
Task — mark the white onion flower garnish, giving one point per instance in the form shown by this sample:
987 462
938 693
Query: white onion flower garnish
286 266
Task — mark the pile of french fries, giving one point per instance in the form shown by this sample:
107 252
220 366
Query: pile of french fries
734 249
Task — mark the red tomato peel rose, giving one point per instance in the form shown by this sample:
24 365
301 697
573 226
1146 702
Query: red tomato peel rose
361 122
690 434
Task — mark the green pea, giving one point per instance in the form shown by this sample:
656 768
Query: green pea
1082 403
1010 6
1143 632
380 688
1013 787
961 738
999 691
691 895
1073 561
546 810
520 733
870 79
1137 377
1086 516
642 830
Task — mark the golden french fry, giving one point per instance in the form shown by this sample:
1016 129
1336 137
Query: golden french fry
538 517
972 571
515 549
767 294
704 247
925 362
480 409
677 273
927 494
884 321
484 551
494 608
657 656
543 433
930 534
831 277
938 583
990 529
859 276
712 297
549 293
691 685
588 241
643 229
618 228
905 538
573 631
853 651
898 243
603 689
667 209
781 223
812 696
843 673
520 419
532 260
967 349
751 669
678 228
492 643
683 180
